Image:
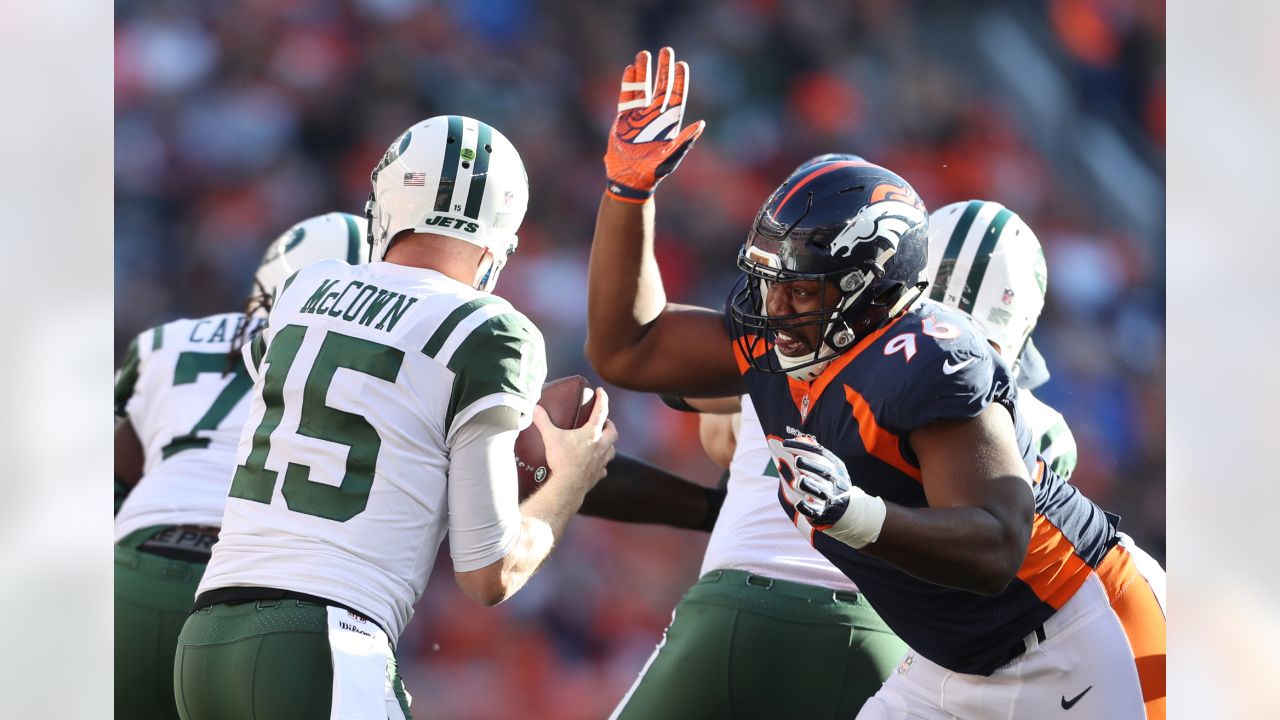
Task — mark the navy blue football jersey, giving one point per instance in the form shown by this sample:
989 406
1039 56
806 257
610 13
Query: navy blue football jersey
929 365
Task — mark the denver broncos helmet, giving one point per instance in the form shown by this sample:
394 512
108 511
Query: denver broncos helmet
845 222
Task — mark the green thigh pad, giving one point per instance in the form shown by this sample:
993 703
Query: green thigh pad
153 596
264 660
743 646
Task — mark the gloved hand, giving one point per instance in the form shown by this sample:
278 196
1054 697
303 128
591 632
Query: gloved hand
819 483
646 143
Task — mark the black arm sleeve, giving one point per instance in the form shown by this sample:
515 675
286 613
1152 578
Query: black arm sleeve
636 492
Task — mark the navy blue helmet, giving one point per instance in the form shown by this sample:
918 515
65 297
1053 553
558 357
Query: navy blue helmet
837 220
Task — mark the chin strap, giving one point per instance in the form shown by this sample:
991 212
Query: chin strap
908 299
487 272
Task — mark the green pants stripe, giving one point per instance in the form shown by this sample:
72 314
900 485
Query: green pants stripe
263 660
741 646
153 596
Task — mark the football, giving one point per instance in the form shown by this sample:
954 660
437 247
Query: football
568 402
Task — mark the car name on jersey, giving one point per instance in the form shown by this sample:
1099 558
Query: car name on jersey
368 303
218 330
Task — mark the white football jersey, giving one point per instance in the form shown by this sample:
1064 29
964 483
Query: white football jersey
187 398
361 378
1052 436
752 532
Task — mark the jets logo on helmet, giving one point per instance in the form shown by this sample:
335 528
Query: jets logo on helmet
986 262
455 176
337 236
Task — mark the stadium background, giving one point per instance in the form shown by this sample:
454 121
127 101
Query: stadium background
236 119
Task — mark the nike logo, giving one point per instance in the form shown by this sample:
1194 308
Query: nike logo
949 369
1068 704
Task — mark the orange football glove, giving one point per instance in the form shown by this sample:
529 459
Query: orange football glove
646 143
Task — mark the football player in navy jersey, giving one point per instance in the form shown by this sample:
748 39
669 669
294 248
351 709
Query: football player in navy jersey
902 454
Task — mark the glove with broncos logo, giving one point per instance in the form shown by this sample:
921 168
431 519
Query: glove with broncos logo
646 143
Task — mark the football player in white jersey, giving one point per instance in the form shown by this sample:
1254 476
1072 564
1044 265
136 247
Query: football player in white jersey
987 263
182 396
386 402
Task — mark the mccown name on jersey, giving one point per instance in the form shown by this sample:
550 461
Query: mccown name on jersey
369 305
344 385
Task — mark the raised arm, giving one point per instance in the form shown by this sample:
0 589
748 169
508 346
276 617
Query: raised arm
635 338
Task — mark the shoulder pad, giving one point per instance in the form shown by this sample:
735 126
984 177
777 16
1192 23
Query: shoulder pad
942 368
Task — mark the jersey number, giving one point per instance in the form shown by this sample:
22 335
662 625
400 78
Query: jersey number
190 366
253 481
906 343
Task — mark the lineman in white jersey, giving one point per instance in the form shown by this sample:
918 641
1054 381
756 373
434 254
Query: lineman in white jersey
987 263
182 396
386 403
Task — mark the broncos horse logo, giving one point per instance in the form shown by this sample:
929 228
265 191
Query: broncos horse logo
887 220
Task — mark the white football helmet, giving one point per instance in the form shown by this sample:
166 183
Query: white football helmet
336 235
985 261
456 176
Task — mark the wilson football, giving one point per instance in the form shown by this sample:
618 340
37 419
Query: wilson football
568 402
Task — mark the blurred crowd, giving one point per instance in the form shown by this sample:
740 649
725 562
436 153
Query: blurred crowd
238 118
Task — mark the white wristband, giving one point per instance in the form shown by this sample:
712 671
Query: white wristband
861 522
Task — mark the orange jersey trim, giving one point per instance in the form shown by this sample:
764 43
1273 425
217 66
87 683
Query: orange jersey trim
881 443
1052 568
1135 604
814 388
1055 572
744 364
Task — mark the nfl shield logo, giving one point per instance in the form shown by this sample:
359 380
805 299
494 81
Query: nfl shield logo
804 408
1007 297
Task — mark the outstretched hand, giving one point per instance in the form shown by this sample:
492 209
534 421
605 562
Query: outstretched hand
646 143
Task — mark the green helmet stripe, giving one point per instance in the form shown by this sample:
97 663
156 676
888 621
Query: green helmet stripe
954 243
449 169
969 295
479 173
353 240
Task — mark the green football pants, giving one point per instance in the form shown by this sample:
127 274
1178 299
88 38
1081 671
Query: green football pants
258 660
743 646
153 597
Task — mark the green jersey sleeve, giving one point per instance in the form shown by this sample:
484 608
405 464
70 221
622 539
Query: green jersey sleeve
502 362
127 377
1058 448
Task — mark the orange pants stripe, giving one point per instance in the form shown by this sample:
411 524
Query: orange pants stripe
1135 604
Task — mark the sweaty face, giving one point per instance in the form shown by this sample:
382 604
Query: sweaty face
796 338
